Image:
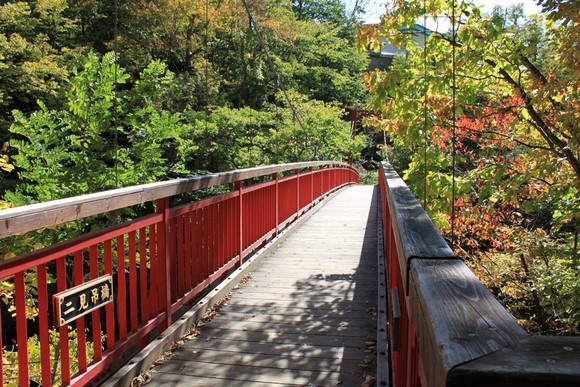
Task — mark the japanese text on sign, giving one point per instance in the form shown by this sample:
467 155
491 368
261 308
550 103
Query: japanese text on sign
82 299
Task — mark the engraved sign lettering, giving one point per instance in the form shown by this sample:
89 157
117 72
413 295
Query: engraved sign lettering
82 299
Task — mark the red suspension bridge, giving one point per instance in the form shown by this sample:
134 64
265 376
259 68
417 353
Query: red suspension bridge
349 285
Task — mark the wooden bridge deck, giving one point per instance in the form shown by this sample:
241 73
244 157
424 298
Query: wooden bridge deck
307 315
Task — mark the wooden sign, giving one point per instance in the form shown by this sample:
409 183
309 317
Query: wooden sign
82 299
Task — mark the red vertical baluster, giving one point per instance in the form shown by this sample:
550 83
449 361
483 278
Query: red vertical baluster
171 243
154 281
121 289
223 232
209 238
247 220
204 247
133 299
164 276
227 226
213 238
276 203
202 258
187 252
269 225
268 210
194 249
1 353
63 329
143 288
297 174
232 220
261 209
21 331
250 219
247 216
95 315
311 169
321 171
224 226
110 307
258 215
80 322
180 264
244 229
196 241
217 236
43 326
239 187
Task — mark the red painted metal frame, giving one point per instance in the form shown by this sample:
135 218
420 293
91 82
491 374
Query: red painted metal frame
405 356
159 262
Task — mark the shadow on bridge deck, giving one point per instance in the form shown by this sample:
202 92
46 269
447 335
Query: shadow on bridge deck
307 316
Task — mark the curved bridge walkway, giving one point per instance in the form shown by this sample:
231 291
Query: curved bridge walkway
306 316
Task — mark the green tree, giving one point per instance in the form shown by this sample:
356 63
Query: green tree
98 137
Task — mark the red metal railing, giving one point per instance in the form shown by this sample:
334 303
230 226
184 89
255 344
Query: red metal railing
444 327
158 263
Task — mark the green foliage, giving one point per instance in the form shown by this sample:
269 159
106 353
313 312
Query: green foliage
110 140
324 67
10 358
512 150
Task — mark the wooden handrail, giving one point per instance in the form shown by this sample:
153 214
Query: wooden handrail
456 332
417 236
19 220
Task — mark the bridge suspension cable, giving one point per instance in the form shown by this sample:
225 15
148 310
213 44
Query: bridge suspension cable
454 27
425 110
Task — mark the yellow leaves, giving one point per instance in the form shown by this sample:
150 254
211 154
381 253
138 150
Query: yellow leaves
47 7
6 291
8 256
368 38
6 166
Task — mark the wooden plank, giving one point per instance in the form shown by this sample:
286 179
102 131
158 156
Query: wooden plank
265 348
456 318
292 318
534 362
280 360
274 329
303 322
243 375
331 300
314 279
27 218
305 304
245 307
290 285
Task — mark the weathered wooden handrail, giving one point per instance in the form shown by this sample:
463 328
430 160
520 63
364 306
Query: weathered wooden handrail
115 287
449 330
19 220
